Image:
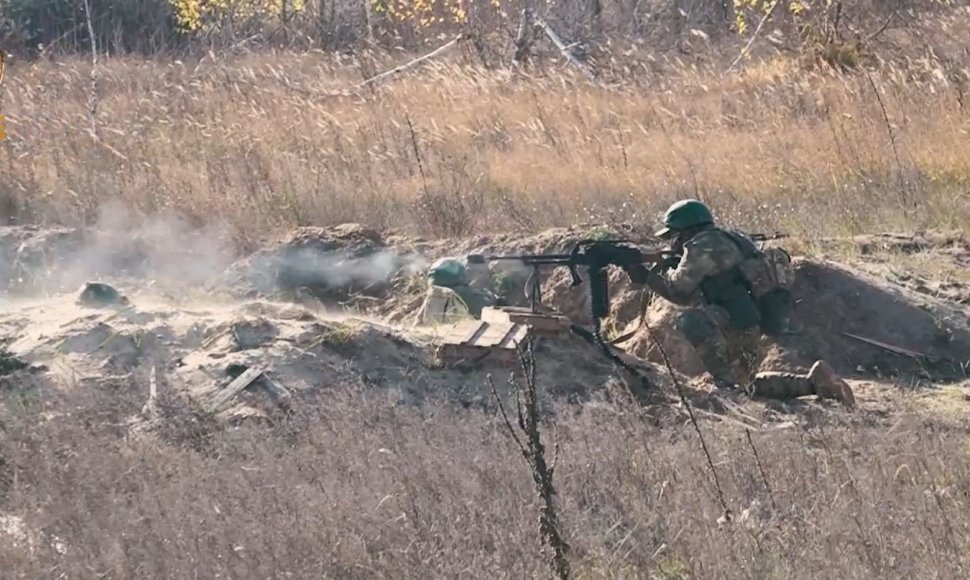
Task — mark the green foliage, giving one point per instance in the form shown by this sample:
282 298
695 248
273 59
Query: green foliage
671 567
426 13
210 15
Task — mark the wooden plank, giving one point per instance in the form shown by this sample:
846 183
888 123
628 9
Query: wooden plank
493 335
278 392
894 349
517 336
482 328
549 323
466 332
490 314
462 332
234 388
542 323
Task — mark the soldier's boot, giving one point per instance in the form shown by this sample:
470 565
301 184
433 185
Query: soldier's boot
782 386
829 385
821 380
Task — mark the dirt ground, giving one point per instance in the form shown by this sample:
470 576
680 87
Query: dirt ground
328 316
328 305
195 351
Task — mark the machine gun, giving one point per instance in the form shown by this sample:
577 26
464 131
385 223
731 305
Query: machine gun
593 255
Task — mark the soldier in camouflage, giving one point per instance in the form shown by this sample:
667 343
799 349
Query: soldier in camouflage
725 283
455 292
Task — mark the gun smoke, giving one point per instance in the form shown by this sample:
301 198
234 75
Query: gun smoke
170 254
163 250
307 267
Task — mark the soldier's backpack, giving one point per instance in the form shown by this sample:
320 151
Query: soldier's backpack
769 275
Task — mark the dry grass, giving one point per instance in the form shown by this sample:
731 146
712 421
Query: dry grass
362 488
265 141
356 487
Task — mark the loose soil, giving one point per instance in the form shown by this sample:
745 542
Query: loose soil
327 306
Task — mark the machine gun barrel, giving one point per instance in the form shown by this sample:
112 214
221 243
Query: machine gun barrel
595 256
591 254
539 259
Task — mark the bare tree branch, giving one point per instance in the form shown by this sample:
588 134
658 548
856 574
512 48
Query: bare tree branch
747 47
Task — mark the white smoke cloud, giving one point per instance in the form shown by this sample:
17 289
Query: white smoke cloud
162 248
169 253
309 267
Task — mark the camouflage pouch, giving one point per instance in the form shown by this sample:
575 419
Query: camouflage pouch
768 270
771 276
779 266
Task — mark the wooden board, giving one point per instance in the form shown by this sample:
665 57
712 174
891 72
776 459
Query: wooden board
889 347
278 392
516 337
541 323
463 332
478 339
493 335
234 388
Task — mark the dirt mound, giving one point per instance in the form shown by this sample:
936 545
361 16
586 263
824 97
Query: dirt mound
956 291
196 352
197 345
926 262
953 245
333 263
833 302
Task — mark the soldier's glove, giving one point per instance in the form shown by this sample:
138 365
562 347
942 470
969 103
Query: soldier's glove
667 262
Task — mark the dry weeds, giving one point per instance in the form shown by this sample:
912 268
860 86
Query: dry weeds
268 141
359 487
363 488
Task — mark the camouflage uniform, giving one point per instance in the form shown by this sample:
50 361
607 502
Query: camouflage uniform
729 354
474 299
455 291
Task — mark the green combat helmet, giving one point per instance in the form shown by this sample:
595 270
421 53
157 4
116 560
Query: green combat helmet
452 274
685 214
99 294
448 272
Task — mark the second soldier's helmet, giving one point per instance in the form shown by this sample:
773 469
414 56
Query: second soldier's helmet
448 272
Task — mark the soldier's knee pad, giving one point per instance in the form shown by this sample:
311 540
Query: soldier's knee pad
697 326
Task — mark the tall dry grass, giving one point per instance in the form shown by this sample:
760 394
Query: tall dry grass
364 488
267 141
